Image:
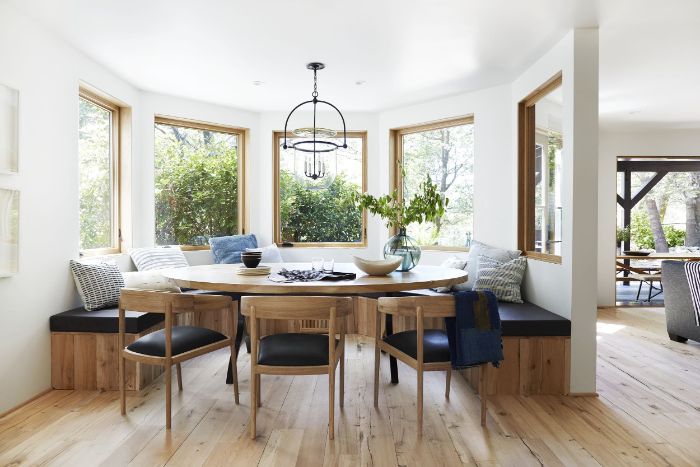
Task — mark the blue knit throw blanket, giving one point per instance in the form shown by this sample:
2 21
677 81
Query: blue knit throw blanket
474 334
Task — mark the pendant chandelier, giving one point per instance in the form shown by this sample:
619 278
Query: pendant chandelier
315 142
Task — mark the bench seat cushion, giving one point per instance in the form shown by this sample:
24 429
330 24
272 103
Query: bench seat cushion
521 319
102 321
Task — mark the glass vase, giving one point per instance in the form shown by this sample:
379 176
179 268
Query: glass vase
404 246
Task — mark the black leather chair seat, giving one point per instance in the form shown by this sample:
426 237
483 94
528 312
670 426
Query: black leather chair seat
435 345
102 321
185 338
294 349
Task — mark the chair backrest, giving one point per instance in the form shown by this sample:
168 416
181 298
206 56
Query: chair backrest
153 301
296 308
432 307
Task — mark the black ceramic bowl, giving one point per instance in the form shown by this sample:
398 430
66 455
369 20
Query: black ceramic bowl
251 261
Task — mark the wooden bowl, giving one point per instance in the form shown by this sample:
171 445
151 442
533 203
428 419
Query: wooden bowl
379 267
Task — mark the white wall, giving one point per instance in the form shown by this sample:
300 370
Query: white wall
630 143
47 73
567 288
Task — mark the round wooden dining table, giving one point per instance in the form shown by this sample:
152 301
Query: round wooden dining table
224 278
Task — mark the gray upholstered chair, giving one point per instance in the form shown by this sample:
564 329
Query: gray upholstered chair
680 315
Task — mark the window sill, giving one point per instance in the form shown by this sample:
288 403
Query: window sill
544 257
322 245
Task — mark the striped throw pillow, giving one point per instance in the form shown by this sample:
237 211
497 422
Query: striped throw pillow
98 283
501 278
148 259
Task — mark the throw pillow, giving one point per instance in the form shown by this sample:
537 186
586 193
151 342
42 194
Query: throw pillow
478 249
455 263
149 280
503 279
270 254
148 259
227 250
98 283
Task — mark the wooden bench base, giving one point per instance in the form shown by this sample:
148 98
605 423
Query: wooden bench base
83 360
532 365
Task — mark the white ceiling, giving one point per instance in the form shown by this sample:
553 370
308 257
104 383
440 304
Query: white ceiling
404 50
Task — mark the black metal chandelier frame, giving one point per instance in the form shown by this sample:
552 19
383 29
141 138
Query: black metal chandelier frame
315 146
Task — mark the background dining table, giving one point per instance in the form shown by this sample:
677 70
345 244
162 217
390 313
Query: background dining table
224 278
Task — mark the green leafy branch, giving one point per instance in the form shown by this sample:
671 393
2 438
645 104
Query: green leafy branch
427 205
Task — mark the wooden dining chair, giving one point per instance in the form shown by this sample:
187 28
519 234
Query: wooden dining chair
297 353
173 344
421 349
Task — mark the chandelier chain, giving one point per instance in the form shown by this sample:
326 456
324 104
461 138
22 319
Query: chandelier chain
315 93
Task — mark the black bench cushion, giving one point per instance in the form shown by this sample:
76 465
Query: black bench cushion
102 321
184 339
435 346
521 319
294 349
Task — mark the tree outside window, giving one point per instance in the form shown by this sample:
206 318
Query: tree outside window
196 183
446 154
320 211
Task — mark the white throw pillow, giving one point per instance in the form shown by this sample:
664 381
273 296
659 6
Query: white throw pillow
98 283
148 259
149 280
270 254
481 249
455 263
501 278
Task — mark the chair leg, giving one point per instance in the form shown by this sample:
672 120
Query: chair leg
331 401
253 402
447 383
482 393
122 384
258 390
233 367
179 376
341 396
639 290
420 402
168 389
376 374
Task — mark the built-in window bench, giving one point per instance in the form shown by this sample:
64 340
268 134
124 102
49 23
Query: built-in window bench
536 347
84 346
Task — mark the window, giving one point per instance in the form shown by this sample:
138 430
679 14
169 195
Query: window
320 212
199 191
98 155
445 152
540 172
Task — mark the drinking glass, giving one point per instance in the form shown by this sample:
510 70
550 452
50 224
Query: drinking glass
328 265
317 264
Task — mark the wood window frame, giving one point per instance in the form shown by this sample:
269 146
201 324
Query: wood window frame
277 222
526 170
120 170
396 158
243 135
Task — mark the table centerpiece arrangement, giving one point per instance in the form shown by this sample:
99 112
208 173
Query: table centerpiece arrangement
427 205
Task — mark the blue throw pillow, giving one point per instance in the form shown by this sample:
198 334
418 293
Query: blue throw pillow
227 250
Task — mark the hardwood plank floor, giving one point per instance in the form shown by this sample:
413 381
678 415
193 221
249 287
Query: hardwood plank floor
648 413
